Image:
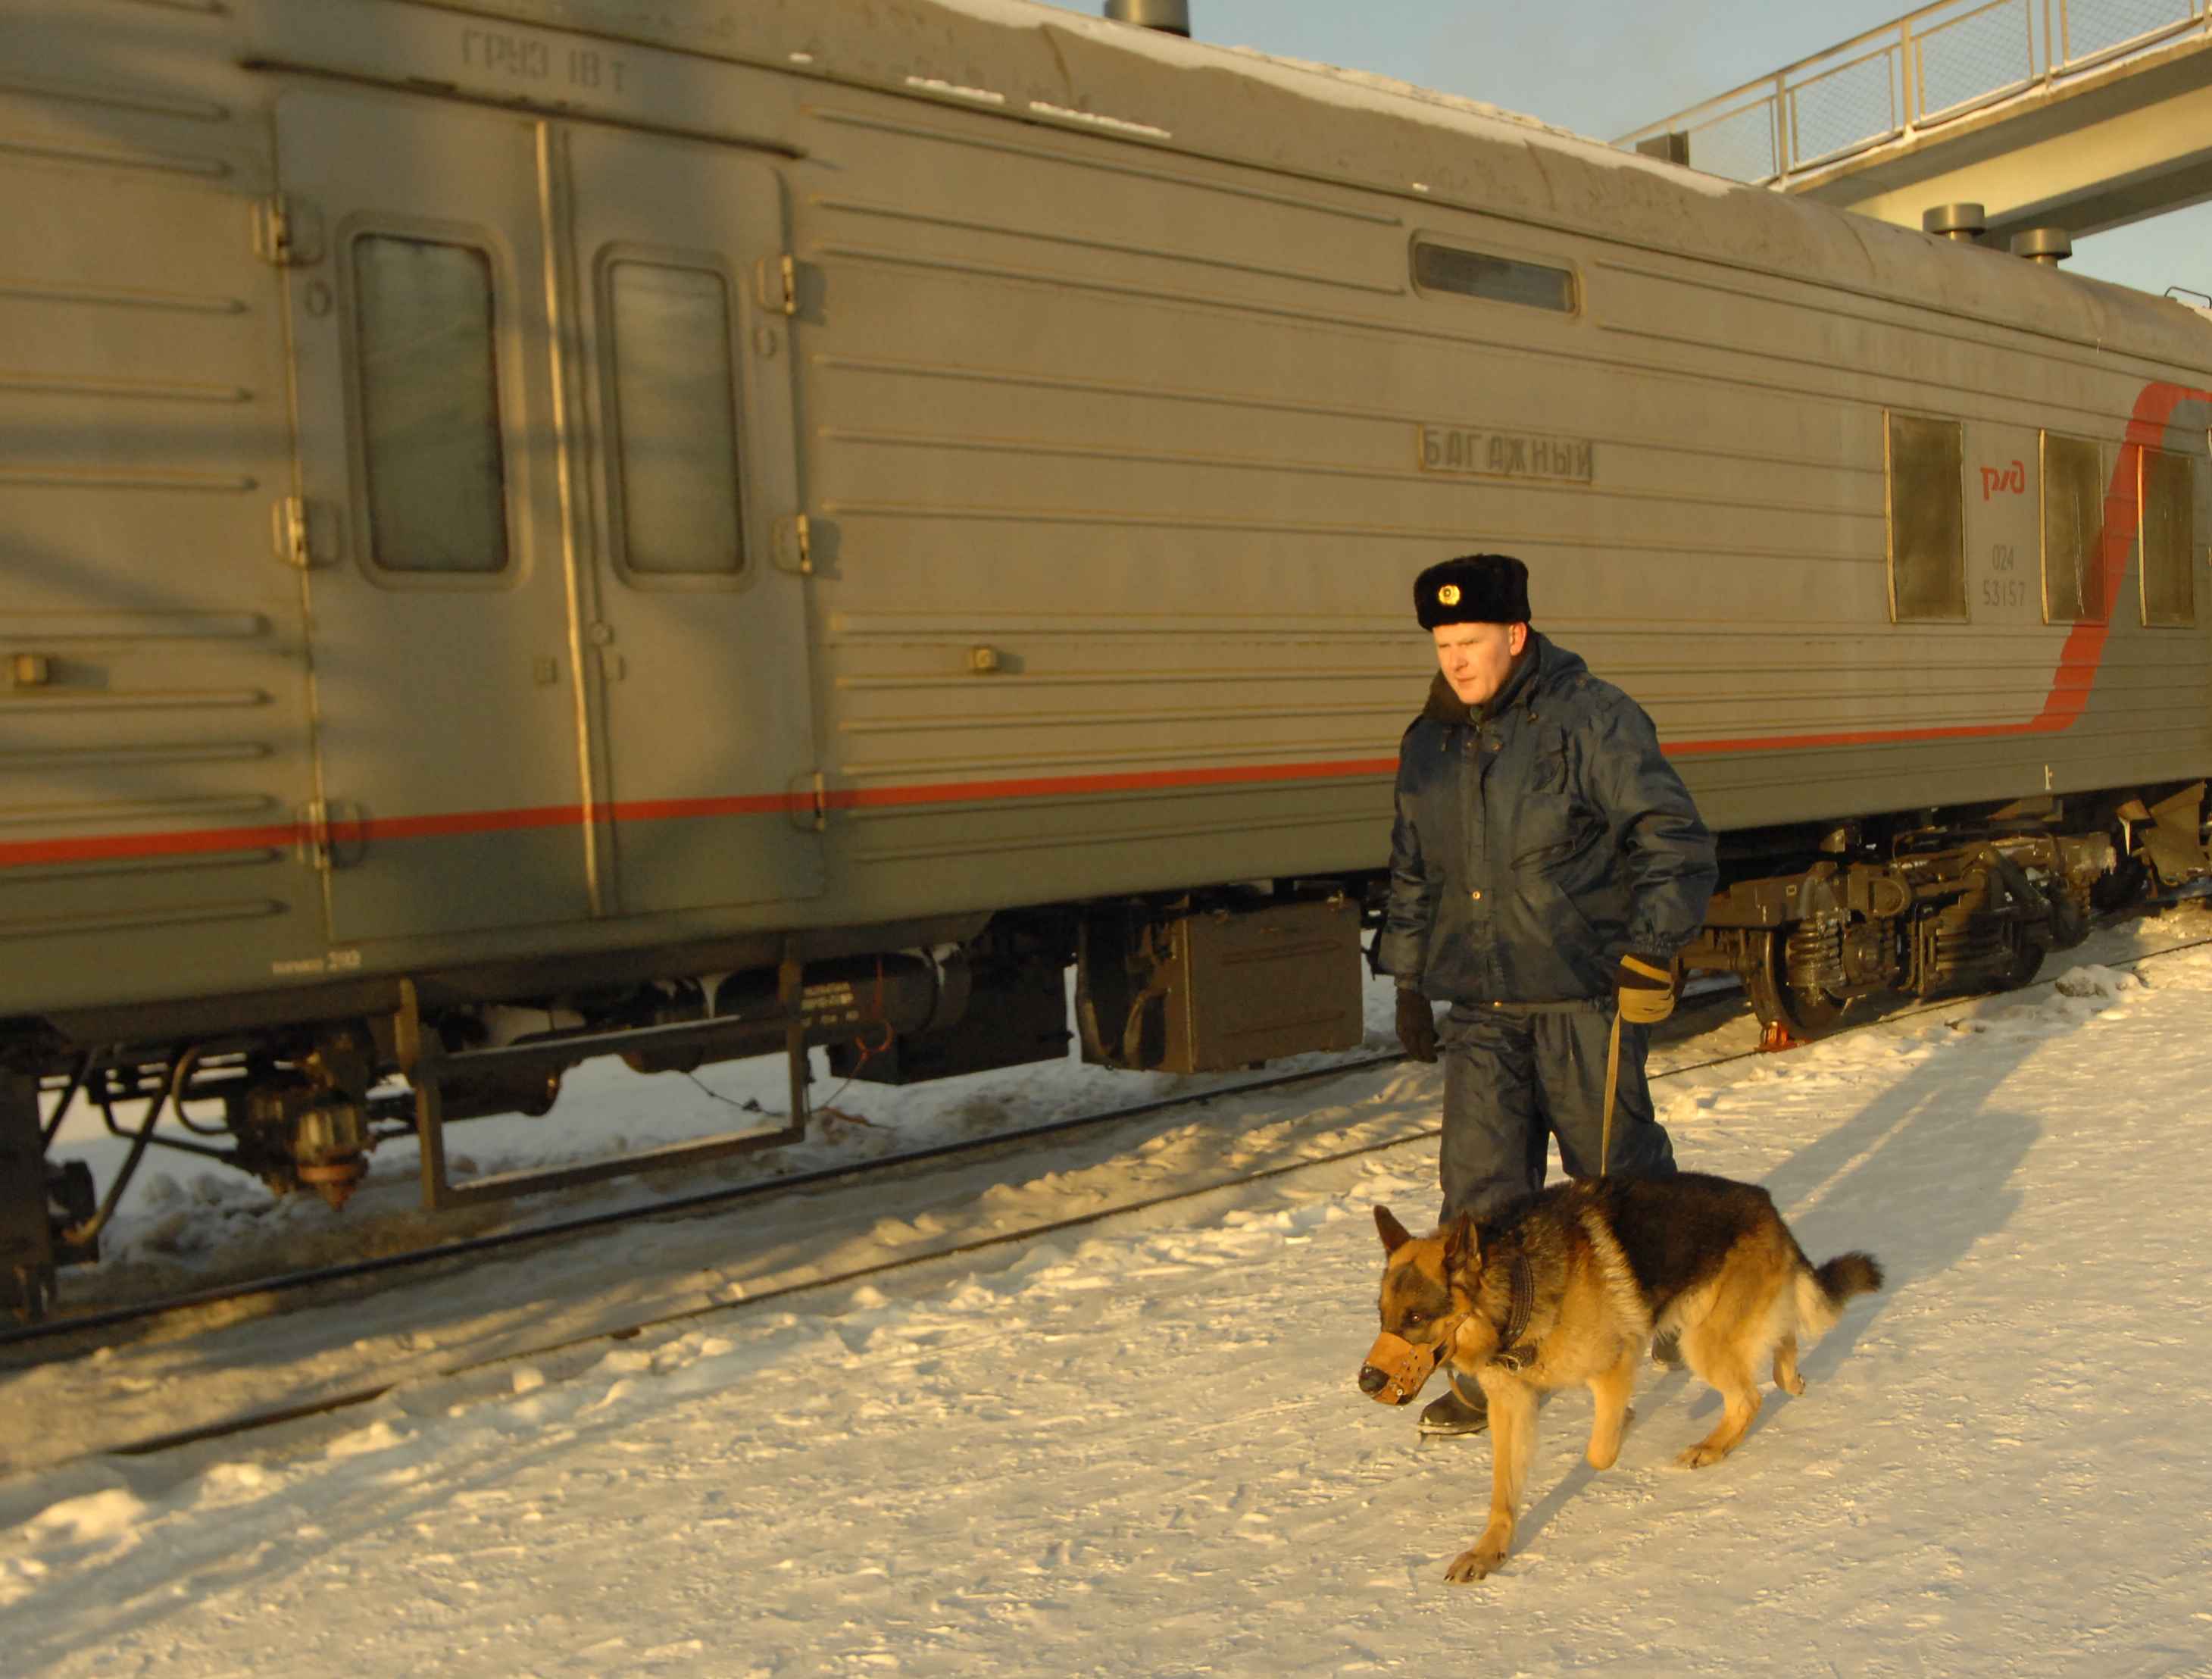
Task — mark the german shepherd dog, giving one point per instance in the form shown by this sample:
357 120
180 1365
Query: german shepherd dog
1567 1286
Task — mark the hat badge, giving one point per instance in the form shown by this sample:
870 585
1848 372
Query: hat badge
1448 595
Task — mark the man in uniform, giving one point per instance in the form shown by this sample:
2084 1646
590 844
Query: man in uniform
1546 865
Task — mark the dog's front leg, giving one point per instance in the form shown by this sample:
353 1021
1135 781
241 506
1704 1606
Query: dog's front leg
1512 1448
1611 1390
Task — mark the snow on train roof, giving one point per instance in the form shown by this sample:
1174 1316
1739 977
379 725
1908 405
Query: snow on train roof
1662 206
1354 89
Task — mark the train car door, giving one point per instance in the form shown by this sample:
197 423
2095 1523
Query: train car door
430 518
701 622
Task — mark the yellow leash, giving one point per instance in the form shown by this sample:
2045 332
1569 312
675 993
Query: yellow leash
1612 1084
1645 1005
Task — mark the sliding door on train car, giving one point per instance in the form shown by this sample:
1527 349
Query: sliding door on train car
699 627
430 519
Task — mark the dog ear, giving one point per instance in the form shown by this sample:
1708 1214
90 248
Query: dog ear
1394 1235
1459 1243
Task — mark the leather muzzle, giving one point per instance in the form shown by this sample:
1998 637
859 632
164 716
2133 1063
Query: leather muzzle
1396 1370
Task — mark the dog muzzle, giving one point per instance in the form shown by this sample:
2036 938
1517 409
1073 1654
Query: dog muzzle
1396 1370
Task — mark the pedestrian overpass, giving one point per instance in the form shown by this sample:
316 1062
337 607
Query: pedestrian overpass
2078 114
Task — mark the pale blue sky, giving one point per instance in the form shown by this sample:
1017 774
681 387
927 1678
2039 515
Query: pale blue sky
1604 67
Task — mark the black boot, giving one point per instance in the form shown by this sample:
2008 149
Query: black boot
1462 1410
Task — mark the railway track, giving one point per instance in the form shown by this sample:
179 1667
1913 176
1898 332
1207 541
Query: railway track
72 1326
268 1417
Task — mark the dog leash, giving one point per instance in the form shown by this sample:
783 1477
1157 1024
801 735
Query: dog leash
1645 1005
1612 1088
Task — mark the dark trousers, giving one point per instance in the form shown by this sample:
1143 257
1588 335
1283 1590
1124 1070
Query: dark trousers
1516 1077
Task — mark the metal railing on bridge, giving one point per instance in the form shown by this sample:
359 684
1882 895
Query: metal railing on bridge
1930 67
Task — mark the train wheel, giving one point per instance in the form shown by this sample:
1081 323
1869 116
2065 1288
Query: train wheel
1801 1012
2026 962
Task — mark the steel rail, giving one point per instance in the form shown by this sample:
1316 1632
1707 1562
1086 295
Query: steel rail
345 1270
252 1421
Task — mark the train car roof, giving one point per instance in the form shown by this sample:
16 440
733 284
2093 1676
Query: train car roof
1057 69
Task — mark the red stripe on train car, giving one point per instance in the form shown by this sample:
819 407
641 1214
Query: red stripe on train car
674 810
1132 781
2071 679
344 829
107 847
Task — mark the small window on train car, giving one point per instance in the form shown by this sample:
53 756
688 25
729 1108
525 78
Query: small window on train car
674 420
1927 520
424 332
1500 279
2169 538
2073 527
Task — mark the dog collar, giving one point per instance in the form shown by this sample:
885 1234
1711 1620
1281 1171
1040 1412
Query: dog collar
1511 1354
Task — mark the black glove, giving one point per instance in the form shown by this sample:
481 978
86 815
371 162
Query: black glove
1646 990
1417 1024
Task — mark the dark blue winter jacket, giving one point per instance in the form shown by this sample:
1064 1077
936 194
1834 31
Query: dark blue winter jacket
1537 839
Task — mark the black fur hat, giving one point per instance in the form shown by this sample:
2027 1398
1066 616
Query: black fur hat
1474 588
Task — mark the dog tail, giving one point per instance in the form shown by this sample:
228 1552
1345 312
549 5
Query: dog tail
1823 1292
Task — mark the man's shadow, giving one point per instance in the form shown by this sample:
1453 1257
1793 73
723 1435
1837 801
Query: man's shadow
1918 1177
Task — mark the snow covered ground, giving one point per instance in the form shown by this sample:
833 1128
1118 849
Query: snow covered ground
1137 1448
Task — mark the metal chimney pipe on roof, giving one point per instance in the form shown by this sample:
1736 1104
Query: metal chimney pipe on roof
2048 245
1171 16
1963 222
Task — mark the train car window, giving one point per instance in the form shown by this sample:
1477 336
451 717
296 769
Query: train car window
430 406
674 419
1927 520
2169 539
1500 279
2073 523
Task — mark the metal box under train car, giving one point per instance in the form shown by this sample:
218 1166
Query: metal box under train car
1201 990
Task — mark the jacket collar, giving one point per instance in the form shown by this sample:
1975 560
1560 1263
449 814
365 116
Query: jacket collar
1447 707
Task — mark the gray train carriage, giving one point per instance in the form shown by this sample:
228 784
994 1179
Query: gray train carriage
535 529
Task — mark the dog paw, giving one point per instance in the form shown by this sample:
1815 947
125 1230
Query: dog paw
1792 1385
1701 1456
1469 1566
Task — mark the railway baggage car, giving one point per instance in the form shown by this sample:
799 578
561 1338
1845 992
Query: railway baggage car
541 528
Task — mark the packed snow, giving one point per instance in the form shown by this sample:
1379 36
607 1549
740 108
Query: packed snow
1136 1446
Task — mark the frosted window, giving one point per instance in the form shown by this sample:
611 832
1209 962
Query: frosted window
2169 539
1500 279
674 422
430 406
1927 520
2073 527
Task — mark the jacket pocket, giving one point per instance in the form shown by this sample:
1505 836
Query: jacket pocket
1564 918
1558 834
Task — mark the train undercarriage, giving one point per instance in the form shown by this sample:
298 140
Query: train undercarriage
1820 926
1937 904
